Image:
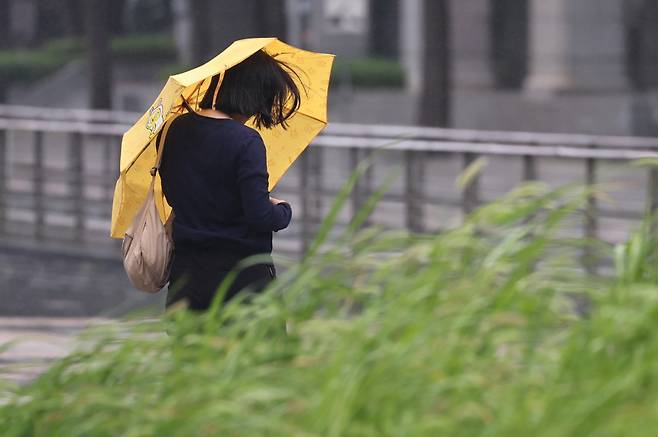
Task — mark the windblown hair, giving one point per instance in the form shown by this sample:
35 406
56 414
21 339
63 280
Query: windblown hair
260 87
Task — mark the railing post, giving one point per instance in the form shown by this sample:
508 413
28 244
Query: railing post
652 197
357 201
470 198
77 185
38 169
3 181
108 179
317 181
304 170
652 191
529 168
310 192
414 197
591 219
363 186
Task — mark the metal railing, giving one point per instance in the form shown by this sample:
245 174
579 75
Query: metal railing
58 168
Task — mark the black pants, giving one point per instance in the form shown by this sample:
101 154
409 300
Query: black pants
196 276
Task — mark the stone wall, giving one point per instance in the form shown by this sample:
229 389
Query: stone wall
51 283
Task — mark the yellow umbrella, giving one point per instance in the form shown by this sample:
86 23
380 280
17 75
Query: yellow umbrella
138 151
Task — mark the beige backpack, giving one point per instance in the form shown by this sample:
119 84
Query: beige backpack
147 245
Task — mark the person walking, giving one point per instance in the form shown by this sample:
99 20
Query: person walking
214 176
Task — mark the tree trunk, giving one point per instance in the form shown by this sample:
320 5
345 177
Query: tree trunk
641 48
384 28
4 24
271 19
217 23
202 25
76 17
436 82
509 42
98 53
116 17
4 42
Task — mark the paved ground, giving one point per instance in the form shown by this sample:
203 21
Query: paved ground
29 344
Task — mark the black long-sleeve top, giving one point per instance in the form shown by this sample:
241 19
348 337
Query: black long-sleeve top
214 175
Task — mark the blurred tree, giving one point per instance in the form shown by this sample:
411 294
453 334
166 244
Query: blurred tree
202 29
147 16
99 58
4 41
23 26
51 20
271 19
435 93
4 24
384 28
75 17
509 42
65 18
238 20
642 43
57 19
116 17
217 23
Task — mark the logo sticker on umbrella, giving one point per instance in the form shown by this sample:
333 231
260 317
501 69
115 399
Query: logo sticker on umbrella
155 118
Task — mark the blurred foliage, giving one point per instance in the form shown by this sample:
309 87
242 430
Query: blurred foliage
148 16
69 46
147 47
29 65
24 66
636 261
473 331
368 73
172 69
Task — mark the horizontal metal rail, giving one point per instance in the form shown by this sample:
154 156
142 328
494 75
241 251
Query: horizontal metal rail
67 114
77 118
42 201
639 148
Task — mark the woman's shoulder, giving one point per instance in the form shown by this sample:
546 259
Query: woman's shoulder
244 135
244 130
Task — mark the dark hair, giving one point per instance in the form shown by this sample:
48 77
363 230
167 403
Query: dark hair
260 87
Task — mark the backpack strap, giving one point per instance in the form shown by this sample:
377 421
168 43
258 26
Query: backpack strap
160 144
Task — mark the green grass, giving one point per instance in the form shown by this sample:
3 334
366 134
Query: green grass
472 332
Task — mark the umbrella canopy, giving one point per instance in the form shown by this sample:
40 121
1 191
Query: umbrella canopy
138 148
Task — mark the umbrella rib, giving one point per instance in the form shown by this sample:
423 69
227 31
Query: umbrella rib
312 117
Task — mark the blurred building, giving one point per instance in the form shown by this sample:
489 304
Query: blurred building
556 65
588 66
585 66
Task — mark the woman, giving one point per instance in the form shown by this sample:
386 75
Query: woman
214 175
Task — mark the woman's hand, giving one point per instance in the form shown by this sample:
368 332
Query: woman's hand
276 201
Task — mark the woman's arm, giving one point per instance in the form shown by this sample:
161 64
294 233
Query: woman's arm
261 214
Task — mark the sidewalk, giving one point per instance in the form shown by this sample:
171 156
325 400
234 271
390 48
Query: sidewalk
37 342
